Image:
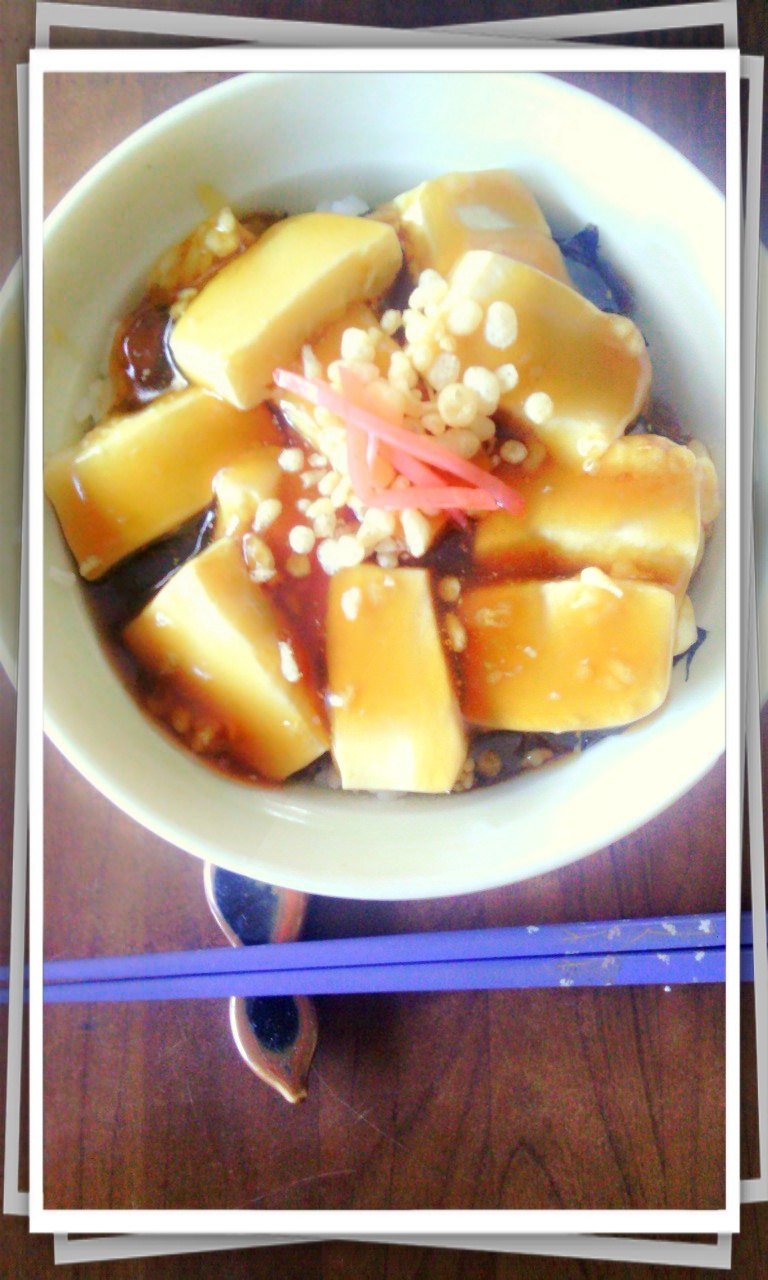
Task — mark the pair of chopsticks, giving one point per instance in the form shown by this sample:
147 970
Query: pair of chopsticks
664 951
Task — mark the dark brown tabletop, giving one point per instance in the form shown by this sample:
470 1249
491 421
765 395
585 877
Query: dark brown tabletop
521 1100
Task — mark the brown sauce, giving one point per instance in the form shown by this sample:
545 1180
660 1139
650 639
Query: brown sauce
141 369
122 594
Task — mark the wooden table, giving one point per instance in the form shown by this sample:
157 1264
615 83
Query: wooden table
578 1099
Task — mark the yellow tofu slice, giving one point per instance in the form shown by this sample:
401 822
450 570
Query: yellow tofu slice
554 657
395 719
493 209
256 312
240 487
221 640
583 375
636 515
138 476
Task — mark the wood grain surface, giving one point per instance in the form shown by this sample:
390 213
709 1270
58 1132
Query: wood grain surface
577 1099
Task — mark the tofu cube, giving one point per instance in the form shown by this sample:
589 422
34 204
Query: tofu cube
556 657
395 718
138 476
259 309
636 515
223 643
445 217
240 487
583 375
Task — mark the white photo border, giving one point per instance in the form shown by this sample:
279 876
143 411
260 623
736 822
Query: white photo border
179 23
276 61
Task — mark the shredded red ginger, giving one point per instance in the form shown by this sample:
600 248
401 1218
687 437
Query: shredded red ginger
419 459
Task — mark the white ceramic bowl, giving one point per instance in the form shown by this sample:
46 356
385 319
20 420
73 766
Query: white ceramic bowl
294 140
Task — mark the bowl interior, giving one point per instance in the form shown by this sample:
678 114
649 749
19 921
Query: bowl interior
294 140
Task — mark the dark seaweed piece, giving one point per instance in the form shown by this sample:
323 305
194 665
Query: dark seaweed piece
690 653
311 771
512 748
592 275
565 743
123 592
641 427
665 423
398 293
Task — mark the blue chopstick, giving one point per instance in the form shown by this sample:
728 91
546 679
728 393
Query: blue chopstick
633 968
515 942
666 951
